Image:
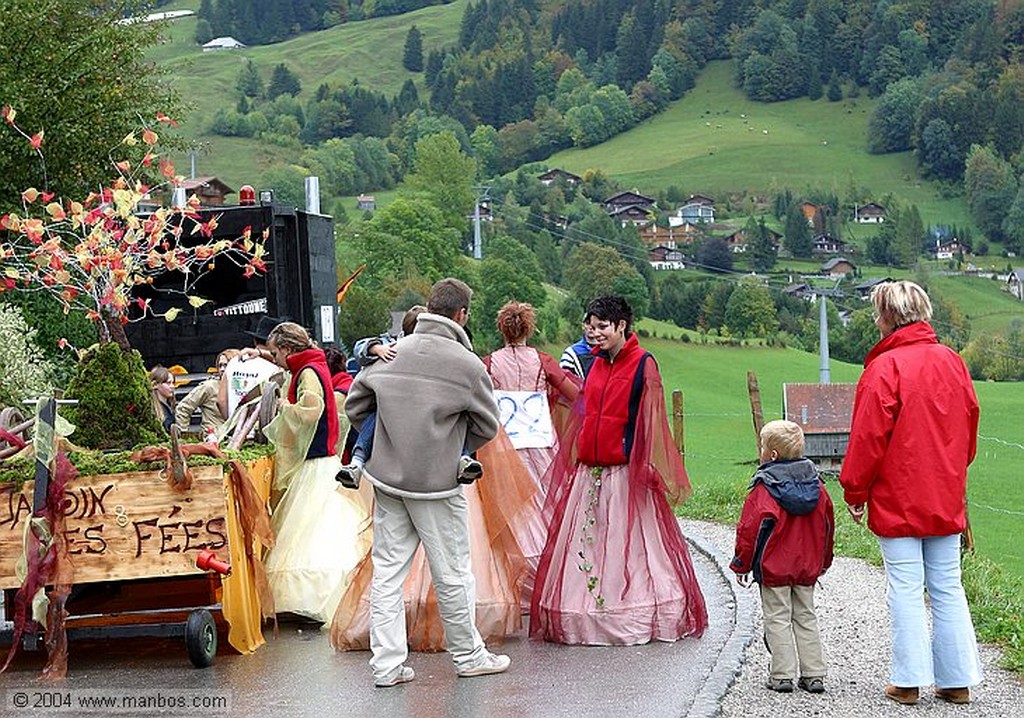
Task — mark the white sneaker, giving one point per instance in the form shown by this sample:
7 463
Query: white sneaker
402 674
490 663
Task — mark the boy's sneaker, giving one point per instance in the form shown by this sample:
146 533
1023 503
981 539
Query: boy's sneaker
780 685
402 674
348 476
814 684
469 470
489 664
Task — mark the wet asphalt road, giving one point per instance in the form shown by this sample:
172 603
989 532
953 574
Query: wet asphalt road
297 673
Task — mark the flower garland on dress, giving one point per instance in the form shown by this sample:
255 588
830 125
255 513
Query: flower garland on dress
587 535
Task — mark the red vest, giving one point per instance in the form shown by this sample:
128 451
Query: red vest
326 436
611 399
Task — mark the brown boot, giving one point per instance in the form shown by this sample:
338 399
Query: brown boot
954 695
903 696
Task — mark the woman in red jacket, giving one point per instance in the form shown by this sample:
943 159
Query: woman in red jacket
914 432
615 569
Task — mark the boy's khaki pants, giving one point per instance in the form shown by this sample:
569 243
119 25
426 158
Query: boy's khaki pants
791 631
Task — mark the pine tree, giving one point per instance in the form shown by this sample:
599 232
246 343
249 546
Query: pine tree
249 82
283 82
412 57
798 238
763 254
204 33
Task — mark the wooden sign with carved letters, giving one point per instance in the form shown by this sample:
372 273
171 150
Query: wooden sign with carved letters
124 526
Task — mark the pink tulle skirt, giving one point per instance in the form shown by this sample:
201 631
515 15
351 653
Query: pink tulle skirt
612 580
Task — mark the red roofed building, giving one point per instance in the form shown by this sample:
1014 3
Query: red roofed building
824 412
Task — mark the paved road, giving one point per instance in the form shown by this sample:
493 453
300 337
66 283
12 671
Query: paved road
298 674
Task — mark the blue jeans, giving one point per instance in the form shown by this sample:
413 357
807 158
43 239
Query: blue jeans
364 441
948 657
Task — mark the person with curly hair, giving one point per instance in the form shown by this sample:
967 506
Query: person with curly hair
534 396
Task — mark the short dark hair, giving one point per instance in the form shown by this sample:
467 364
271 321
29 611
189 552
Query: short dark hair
448 296
611 308
336 360
409 320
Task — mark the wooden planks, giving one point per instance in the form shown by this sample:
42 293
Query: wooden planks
125 526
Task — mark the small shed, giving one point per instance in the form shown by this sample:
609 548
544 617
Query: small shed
210 190
366 202
824 412
1015 283
838 267
223 43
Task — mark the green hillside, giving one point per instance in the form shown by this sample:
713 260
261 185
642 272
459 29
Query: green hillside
370 51
715 141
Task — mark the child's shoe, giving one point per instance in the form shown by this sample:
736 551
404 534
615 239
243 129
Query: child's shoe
349 475
469 470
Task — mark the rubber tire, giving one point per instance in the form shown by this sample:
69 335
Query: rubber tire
201 638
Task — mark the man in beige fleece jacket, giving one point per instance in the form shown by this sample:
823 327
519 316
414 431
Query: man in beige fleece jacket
432 399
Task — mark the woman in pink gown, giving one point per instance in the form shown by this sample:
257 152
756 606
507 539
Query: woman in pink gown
616 569
534 396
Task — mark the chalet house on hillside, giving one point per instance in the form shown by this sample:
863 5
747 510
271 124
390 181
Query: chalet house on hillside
800 290
672 236
628 199
630 208
666 258
366 202
1015 283
223 43
210 190
947 250
824 412
633 214
870 213
554 175
838 267
738 240
827 244
810 212
698 209
864 288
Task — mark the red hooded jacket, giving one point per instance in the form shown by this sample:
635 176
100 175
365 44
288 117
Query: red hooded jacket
914 433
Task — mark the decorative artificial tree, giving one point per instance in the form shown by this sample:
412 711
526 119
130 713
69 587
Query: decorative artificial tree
93 254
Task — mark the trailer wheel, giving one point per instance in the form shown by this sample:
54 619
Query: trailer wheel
201 638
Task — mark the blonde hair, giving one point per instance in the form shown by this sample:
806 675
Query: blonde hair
290 336
227 355
901 303
784 437
517 321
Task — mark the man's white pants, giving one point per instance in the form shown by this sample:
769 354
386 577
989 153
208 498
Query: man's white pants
399 526
949 659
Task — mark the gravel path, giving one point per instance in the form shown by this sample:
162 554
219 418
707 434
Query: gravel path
854 622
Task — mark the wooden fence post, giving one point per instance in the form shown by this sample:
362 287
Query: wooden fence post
755 409
677 421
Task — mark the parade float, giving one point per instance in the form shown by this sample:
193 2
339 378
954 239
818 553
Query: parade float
108 526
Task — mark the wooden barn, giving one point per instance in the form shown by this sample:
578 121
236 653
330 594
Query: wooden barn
824 412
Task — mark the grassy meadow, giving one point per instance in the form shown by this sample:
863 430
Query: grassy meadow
715 141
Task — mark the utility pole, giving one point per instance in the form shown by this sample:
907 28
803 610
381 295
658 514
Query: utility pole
481 196
824 374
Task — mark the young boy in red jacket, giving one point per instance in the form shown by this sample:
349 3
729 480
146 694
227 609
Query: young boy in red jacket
784 539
